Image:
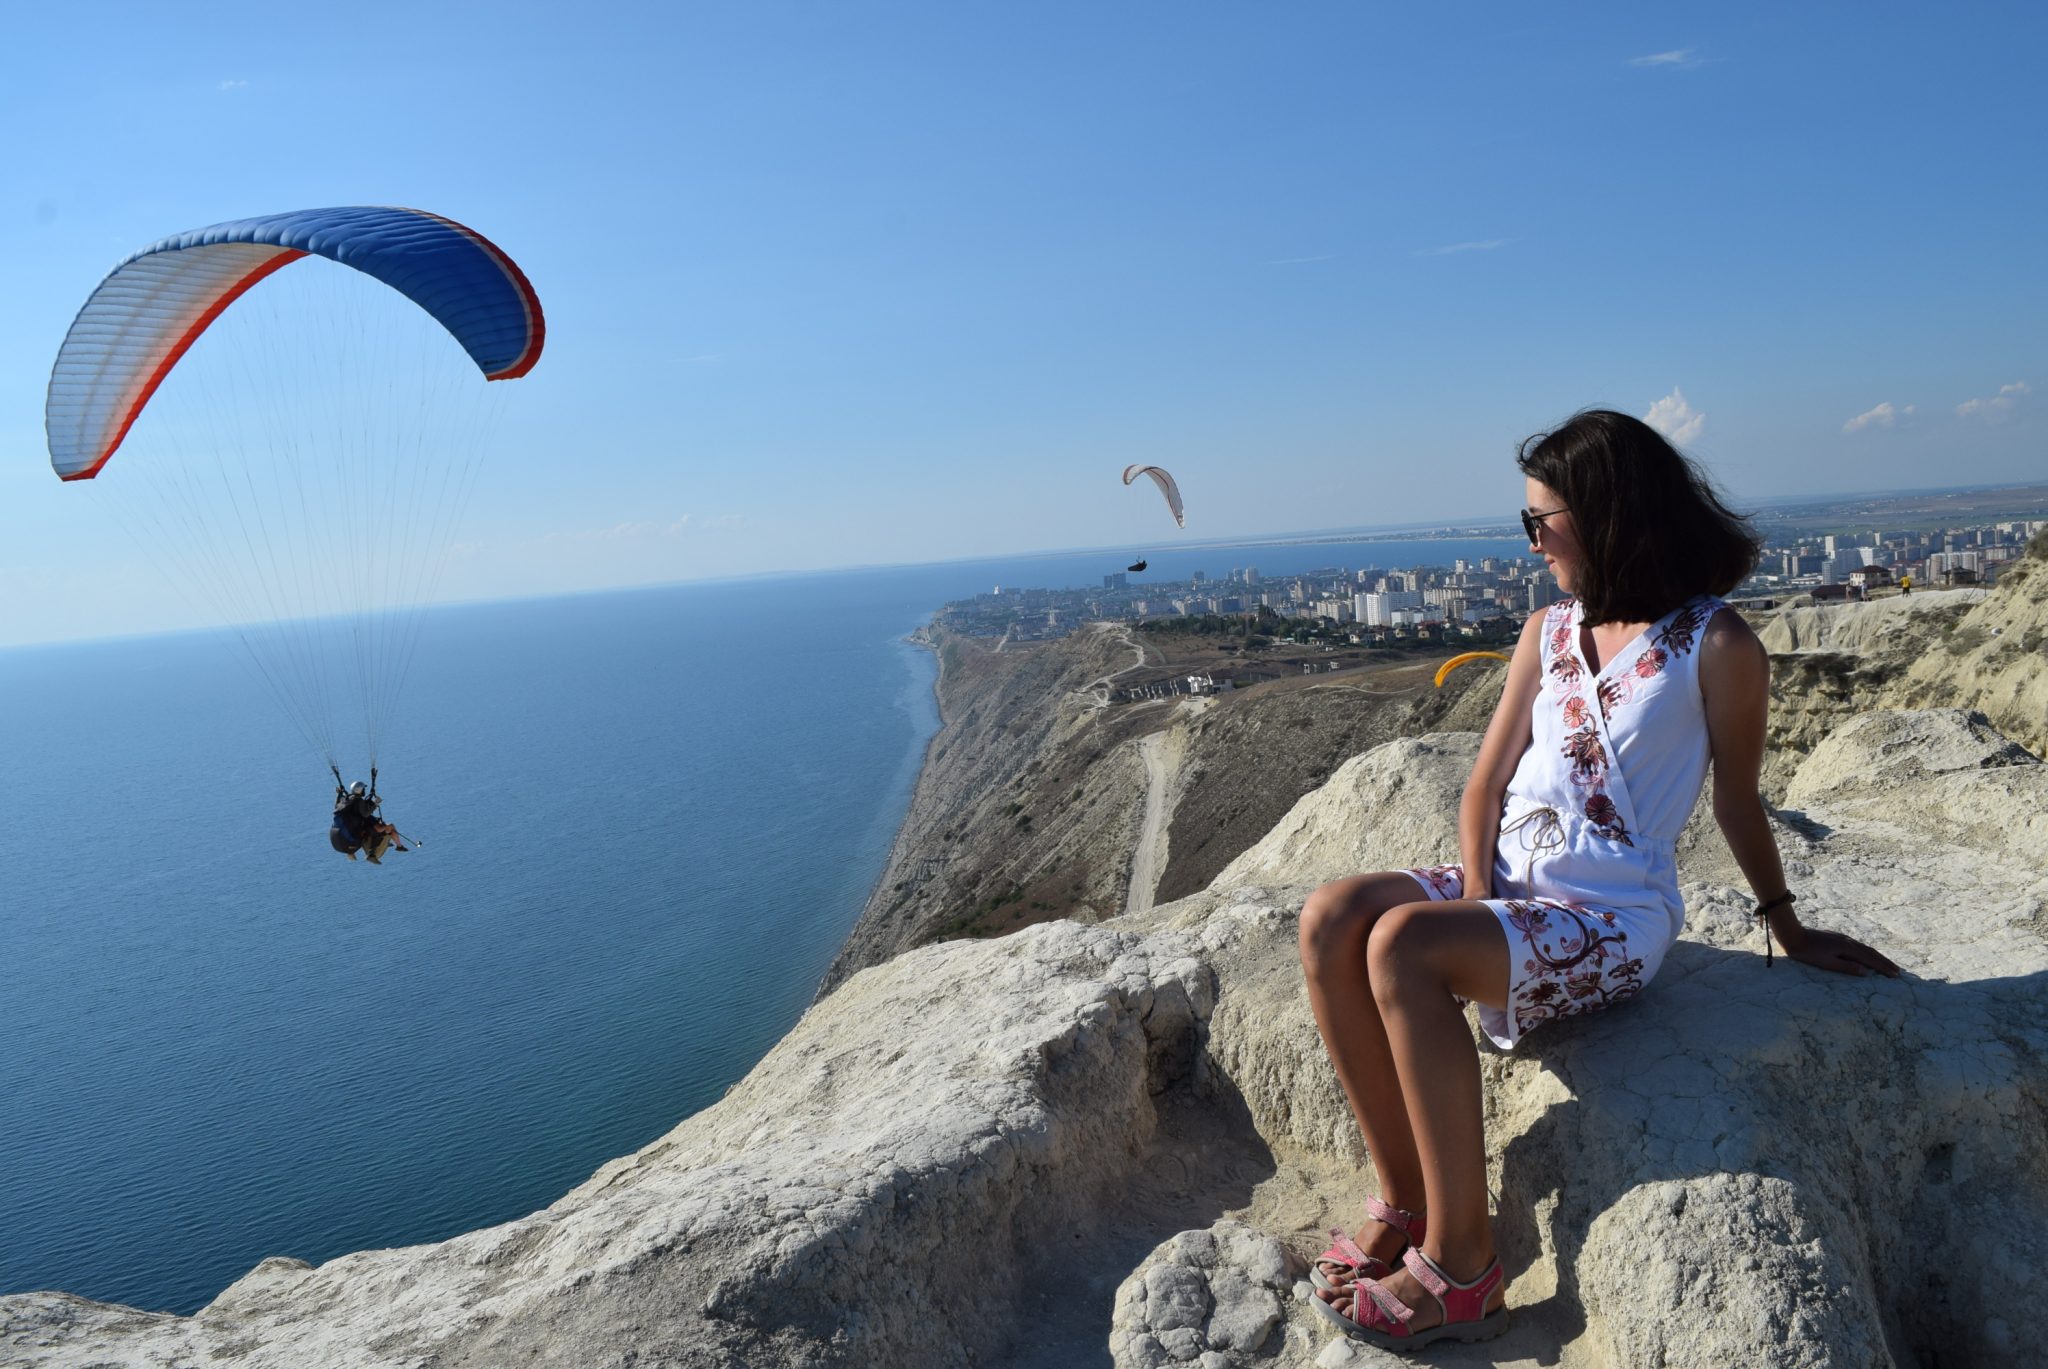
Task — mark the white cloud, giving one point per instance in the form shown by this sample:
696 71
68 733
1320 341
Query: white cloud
1684 58
1884 415
1454 248
1995 407
1298 261
1676 419
232 85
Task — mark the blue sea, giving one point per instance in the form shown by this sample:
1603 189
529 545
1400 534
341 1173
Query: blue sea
649 819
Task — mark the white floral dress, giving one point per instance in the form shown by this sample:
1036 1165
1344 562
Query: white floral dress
1584 871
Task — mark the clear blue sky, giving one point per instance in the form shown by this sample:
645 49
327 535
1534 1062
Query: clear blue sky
858 282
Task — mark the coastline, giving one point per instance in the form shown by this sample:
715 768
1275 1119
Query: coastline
924 637
974 840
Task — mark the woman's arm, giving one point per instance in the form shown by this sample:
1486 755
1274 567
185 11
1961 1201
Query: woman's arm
1507 737
1735 686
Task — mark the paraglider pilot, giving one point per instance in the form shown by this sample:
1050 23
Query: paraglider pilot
357 826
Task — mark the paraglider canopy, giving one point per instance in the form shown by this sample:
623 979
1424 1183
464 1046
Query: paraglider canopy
1443 672
150 309
1166 485
297 466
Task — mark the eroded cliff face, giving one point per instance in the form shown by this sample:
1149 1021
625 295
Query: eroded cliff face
1028 804
1996 658
1240 766
1040 800
1832 662
1968 648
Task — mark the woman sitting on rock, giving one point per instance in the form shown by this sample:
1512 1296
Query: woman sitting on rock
1567 896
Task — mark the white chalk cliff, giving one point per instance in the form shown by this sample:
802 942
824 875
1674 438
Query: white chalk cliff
1112 1145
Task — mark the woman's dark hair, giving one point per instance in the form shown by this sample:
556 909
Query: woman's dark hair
1654 530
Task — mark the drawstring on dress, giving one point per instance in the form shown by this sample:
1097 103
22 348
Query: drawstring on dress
1548 830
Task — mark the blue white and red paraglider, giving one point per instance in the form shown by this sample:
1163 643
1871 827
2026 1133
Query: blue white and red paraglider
151 308
298 464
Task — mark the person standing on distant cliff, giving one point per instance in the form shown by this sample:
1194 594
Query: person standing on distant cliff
1566 899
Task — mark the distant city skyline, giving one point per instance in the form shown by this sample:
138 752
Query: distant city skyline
900 283
1490 589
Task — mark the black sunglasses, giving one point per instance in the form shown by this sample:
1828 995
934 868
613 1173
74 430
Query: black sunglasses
1532 521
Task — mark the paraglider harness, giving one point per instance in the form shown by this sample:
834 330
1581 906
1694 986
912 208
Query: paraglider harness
356 824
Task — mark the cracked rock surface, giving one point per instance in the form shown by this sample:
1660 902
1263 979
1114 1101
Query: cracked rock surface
1203 1294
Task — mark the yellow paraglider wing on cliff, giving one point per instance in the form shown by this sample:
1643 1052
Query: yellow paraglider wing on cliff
1443 671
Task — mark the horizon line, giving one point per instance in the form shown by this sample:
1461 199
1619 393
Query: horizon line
1475 530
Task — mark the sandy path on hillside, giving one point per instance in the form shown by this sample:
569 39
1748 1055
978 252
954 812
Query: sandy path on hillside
1098 691
1146 864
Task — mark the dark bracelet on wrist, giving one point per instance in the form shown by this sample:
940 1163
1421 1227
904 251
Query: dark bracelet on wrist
1763 912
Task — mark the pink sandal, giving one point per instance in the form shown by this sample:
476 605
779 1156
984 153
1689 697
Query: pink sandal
1386 1317
1354 1263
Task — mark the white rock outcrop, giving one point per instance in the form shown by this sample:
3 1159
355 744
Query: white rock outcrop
1326 836
1996 659
1202 1295
1869 627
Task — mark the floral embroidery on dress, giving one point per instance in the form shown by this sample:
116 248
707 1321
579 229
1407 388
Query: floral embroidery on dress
1528 918
1583 746
1616 690
1606 818
1588 755
1613 694
1575 958
1679 633
1442 881
1571 957
1559 620
1561 663
1583 749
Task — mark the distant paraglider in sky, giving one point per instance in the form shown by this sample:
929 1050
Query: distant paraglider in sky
1443 672
299 475
1138 565
1166 485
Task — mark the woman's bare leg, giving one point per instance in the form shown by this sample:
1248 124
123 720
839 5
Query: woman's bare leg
1419 956
1336 924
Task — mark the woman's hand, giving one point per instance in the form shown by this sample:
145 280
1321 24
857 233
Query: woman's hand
1832 951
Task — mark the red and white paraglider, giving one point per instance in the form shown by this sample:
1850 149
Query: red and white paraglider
1166 485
